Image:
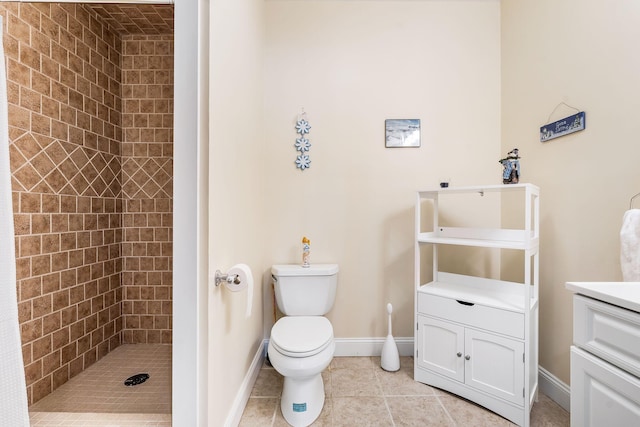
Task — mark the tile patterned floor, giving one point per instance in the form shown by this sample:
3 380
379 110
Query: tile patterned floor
98 396
359 393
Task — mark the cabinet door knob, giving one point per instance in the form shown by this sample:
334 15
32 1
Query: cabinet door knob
467 357
459 354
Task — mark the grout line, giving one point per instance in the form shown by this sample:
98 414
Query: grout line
386 404
453 422
384 396
275 412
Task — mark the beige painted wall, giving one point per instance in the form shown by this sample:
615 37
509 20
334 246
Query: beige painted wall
351 65
236 230
584 54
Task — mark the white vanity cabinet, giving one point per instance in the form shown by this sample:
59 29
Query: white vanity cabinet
605 357
477 336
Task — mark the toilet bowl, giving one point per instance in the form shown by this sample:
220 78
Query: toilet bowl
300 348
302 343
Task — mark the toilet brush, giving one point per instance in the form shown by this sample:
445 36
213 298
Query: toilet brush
390 359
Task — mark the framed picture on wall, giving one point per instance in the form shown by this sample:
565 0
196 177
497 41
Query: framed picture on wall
402 133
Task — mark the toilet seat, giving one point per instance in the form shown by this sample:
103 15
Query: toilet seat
301 336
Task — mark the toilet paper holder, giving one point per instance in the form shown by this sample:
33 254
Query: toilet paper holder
229 278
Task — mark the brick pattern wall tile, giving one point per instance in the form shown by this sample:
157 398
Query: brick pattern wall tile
147 188
65 106
65 92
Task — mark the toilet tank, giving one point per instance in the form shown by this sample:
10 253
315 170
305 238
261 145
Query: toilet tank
305 291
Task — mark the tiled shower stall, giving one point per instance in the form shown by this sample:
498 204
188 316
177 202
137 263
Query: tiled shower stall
90 91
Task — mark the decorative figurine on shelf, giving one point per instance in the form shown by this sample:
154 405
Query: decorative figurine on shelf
306 252
511 167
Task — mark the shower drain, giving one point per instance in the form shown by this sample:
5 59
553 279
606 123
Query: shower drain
136 379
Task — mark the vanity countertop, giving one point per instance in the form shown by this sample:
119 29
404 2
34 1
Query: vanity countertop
622 294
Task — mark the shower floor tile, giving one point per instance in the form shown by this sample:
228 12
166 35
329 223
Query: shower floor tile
101 389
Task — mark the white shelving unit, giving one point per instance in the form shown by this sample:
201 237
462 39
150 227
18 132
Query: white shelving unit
477 337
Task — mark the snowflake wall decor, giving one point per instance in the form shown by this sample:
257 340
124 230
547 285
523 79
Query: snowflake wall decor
303 162
302 144
303 126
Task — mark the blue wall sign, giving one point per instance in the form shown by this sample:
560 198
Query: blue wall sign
563 127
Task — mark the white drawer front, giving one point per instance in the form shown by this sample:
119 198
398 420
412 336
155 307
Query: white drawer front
610 332
601 394
478 316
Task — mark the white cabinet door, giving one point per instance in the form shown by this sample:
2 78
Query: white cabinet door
495 364
441 347
601 394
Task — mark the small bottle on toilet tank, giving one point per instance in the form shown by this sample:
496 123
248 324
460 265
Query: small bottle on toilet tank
306 252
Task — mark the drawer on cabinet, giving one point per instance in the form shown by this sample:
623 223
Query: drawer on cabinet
475 315
608 331
601 394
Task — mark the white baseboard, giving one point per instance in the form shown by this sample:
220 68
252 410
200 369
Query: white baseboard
346 347
555 389
370 346
242 397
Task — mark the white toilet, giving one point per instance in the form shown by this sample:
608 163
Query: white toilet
301 344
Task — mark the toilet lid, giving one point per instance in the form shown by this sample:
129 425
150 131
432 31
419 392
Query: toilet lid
301 336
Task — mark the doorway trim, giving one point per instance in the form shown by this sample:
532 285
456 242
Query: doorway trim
189 363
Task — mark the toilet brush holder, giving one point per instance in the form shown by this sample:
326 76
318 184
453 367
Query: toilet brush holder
390 358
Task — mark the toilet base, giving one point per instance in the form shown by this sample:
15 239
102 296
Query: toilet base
302 400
